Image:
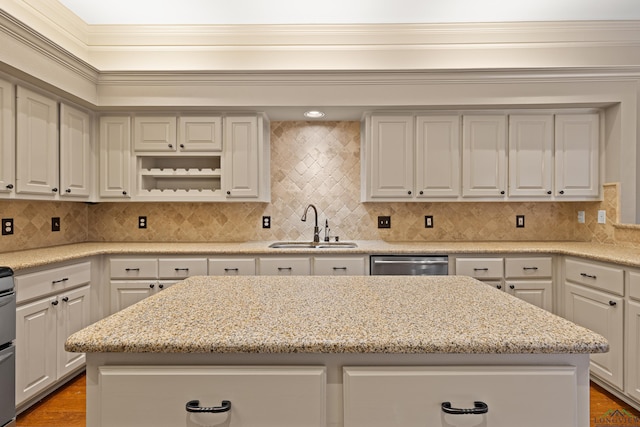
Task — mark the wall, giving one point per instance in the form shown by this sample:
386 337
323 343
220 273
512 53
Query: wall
312 162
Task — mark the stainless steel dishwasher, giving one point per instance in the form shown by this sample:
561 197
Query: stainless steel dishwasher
409 265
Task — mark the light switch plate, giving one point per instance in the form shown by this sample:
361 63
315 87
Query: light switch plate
520 221
581 217
602 217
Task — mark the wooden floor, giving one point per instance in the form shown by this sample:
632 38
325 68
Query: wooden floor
66 407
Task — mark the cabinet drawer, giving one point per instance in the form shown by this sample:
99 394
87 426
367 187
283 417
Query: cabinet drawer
179 268
480 268
634 285
606 278
339 266
134 268
33 285
259 396
285 266
232 267
516 268
413 396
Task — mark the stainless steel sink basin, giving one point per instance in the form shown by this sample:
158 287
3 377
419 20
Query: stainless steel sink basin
320 245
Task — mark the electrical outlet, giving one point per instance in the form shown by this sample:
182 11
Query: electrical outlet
602 217
7 226
428 221
55 224
384 222
142 222
266 222
520 221
581 217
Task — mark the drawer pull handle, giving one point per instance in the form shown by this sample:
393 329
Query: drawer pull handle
230 269
613 303
194 406
590 276
481 269
479 408
181 269
529 268
284 268
340 268
131 269
60 281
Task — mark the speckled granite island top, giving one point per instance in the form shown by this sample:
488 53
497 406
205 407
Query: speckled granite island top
320 314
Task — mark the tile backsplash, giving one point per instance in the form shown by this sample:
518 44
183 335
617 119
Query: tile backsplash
311 162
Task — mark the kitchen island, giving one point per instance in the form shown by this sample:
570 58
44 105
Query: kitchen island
333 351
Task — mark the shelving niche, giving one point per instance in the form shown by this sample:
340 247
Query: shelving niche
180 177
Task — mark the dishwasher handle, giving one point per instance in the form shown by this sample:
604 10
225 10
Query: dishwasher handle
421 262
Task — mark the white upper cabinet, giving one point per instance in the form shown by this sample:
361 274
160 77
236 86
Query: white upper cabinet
241 163
199 134
37 144
438 156
7 139
577 155
531 155
75 152
155 133
390 157
115 157
484 160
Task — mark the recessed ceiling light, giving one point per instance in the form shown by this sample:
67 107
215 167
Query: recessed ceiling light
313 114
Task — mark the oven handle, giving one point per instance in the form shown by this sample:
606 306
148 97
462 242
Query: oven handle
426 262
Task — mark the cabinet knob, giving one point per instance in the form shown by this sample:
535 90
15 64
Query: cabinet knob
409 192
228 193
499 286
181 145
161 286
10 186
68 190
124 193
512 286
502 192
65 299
170 145
561 191
55 190
613 303
152 286
421 193
54 302
549 192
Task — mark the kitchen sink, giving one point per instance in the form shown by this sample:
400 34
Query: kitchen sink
319 245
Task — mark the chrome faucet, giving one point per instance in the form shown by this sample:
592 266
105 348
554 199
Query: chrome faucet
316 229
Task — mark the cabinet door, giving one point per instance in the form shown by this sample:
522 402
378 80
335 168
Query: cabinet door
531 155
391 157
7 138
154 134
73 314
633 348
484 161
438 156
602 313
200 134
536 292
285 266
35 348
577 155
115 157
75 152
37 144
124 294
241 157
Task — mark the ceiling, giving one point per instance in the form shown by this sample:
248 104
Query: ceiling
225 12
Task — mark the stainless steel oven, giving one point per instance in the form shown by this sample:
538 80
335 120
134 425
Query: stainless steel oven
409 265
7 348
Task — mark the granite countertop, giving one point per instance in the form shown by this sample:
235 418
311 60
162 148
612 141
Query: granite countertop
21 260
325 314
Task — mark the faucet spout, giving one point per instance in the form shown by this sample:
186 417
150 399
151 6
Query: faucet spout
316 229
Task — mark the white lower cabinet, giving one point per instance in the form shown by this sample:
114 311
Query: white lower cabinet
42 327
285 266
603 313
536 292
339 266
632 385
414 396
232 266
286 396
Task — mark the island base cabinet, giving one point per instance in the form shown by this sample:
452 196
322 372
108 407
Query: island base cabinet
133 396
413 396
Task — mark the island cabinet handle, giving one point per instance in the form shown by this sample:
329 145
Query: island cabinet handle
590 276
479 408
194 406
